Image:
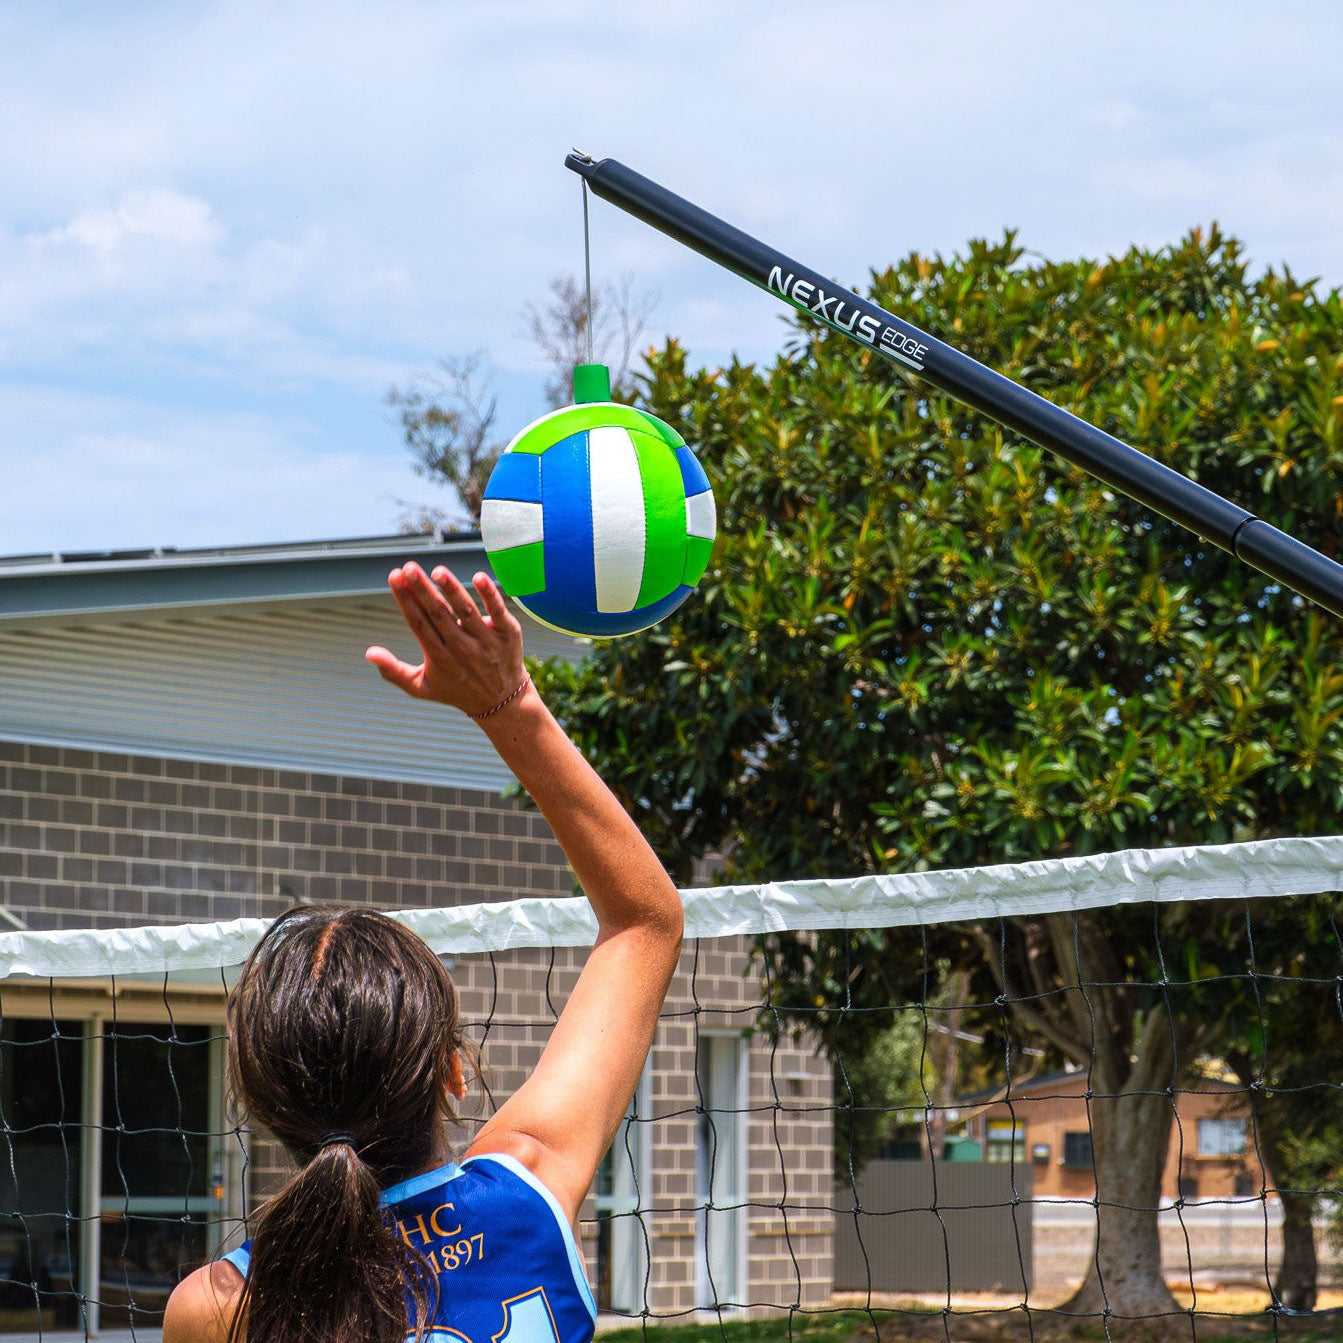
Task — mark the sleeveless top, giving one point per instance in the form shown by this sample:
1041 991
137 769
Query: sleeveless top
508 1268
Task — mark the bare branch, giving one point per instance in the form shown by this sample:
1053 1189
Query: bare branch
1040 1020
447 418
416 519
559 329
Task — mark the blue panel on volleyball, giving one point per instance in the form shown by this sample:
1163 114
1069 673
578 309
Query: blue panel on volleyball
571 575
516 475
692 473
567 616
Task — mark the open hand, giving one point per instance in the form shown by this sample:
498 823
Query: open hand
472 661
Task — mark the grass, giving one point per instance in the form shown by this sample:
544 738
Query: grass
924 1324
839 1326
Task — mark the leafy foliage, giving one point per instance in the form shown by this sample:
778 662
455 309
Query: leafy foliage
924 642
886 1077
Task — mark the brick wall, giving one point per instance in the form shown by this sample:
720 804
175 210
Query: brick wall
1047 1111
89 838
98 839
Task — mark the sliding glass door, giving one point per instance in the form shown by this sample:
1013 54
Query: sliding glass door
116 1175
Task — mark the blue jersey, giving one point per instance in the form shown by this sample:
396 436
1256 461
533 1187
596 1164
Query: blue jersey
508 1269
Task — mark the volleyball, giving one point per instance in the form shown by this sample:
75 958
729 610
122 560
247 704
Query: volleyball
598 519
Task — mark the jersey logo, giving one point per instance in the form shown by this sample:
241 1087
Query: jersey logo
527 1319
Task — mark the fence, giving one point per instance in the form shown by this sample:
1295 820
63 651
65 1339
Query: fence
978 1237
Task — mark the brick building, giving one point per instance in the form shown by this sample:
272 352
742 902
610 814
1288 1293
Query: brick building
195 736
1048 1125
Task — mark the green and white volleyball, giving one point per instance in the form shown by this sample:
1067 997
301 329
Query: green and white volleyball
598 519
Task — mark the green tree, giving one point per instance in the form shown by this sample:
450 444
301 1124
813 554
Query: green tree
910 1064
887 1078
925 643
1286 1052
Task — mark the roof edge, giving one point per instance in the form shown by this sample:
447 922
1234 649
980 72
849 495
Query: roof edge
308 570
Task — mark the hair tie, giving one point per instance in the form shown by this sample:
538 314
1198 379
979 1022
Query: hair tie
333 1139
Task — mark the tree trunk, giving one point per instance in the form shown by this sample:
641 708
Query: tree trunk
1130 1134
1295 1285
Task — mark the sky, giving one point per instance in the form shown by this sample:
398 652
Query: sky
227 228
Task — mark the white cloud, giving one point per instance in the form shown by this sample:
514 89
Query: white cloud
99 472
155 277
162 218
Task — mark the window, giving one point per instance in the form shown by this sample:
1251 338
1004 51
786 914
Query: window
1006 1141
1188 1188
1221 1137
117 1171
622 1178
720 1171
40 1240
1077 1151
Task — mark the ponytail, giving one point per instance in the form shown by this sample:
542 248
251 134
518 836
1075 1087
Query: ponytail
342 1030
327 1265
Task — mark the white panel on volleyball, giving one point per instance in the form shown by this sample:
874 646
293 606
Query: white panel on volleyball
618 535
701 517
505 523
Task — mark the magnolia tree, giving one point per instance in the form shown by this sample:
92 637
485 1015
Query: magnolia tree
924 642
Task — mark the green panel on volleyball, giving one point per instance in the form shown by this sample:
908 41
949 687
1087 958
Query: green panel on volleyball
661 429
664 518
698 549
546 431
521 570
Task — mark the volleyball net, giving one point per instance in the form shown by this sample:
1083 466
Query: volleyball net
1087 1091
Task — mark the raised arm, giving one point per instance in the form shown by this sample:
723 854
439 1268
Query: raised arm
563 1118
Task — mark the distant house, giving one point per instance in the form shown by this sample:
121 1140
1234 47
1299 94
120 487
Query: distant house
195 735
1045 1122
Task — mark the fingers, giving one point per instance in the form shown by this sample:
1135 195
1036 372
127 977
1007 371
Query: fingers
431 619
459 599
471 659
446 604
391 668
500 616
441 610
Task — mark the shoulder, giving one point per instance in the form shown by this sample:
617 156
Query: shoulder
521 1147
544 1170
202 1305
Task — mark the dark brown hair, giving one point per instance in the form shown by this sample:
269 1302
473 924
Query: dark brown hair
342 1022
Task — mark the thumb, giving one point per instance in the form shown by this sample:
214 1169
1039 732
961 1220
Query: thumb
392 669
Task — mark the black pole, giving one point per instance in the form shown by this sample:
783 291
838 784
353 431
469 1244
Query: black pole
1158 487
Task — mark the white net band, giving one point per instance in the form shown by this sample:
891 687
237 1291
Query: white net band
1260 869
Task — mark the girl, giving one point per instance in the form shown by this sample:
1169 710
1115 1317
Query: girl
344 1042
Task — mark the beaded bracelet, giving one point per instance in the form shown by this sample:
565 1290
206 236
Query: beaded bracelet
505 702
